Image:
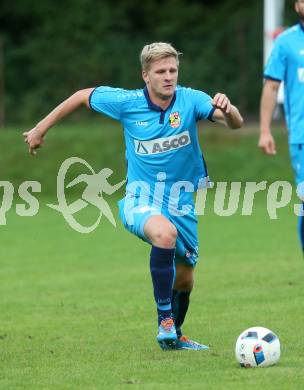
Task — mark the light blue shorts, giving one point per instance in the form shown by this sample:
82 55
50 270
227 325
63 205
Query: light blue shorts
134 212
297 161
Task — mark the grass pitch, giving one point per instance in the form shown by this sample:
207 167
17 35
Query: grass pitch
77 311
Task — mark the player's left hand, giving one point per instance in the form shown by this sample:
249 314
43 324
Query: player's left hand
222 102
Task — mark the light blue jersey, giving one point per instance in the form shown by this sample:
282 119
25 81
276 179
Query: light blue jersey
157 141
163 153
286 63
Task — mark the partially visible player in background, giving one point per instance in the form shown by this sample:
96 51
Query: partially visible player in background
163 154
286 63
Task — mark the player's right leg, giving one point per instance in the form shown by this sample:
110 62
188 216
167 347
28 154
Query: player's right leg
162 234
147 223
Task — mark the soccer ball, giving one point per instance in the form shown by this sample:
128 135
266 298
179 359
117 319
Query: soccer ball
257 347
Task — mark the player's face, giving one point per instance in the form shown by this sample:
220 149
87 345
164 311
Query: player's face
161 78
299 7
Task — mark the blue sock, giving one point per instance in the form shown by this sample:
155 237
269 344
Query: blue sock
180 305
162 273
301 229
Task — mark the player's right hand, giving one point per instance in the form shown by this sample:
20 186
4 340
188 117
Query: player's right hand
267 144
34 139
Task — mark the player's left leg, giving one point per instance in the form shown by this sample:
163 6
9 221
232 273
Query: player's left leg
185 262
180 303
181 294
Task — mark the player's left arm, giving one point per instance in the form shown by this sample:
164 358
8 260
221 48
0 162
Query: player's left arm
225 112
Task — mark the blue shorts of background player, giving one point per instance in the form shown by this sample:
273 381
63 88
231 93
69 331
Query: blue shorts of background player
134 212
296 152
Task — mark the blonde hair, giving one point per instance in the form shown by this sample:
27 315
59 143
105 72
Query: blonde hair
157 51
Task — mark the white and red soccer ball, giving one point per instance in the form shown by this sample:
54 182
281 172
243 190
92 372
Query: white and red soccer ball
257 347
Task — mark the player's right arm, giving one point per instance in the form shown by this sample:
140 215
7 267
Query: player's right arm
267 106
35 137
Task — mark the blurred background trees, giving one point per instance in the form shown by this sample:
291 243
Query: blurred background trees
53 48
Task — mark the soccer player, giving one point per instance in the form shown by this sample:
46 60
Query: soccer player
286 63
164 167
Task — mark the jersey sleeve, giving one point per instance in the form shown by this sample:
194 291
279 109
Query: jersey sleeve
108 101
203 105
276 65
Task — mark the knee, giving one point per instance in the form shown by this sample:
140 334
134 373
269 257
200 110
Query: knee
165 237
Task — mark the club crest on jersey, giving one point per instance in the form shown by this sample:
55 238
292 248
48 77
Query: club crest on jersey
174 119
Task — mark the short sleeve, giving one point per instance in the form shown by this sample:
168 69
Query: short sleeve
108 101
276 66
203 105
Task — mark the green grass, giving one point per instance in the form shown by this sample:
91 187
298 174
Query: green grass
77 311
230 155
